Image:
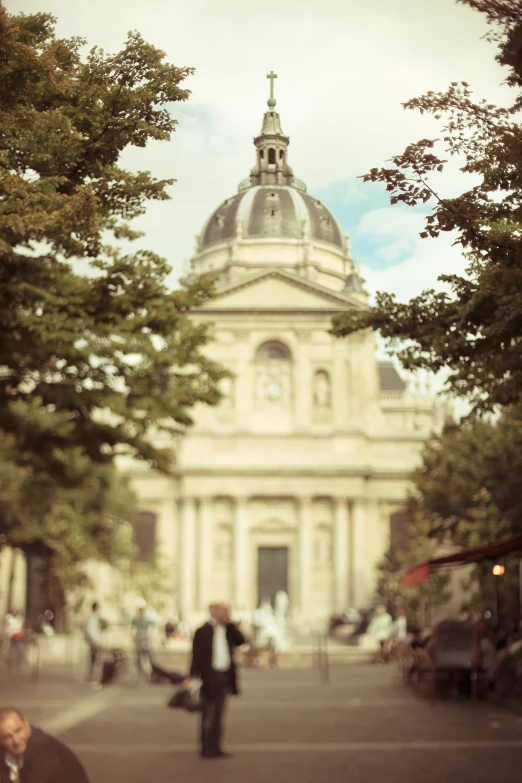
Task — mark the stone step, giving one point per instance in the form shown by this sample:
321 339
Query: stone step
73 650
302 657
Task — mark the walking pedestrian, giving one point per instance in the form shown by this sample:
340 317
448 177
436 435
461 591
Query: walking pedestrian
28 755
142 627
92 634
213 662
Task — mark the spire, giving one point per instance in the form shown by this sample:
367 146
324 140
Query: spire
355 282
272 148
271 101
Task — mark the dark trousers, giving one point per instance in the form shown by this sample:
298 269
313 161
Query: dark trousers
91 664
216 689
15 653
140 653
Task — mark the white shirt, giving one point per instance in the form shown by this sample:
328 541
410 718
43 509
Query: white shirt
13 624
401 629
93 628
220 651
13 766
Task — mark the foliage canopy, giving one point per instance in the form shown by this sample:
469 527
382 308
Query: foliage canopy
98 357
473 330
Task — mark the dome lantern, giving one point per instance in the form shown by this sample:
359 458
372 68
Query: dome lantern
271 166
272 206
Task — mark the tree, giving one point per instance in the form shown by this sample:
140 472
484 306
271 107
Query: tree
97 358
101 360
65 526
415 600
474 330
468 490
468 480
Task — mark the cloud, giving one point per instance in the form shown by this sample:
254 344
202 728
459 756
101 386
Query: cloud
344 70
422 261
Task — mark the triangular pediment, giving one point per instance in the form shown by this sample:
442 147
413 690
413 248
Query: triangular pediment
277 290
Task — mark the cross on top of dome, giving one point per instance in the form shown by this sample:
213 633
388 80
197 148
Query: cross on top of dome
271 101
271 166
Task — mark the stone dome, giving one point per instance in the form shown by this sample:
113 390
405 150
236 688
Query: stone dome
271 211
271 202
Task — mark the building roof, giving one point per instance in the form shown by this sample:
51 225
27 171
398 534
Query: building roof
390 380
354 284
271 202
265 211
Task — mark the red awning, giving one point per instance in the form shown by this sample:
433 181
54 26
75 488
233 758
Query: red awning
418 573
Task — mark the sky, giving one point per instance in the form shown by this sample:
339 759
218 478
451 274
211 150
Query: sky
344 69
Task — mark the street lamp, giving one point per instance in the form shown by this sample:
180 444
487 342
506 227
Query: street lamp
498 570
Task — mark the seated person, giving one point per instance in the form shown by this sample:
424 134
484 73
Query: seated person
28 755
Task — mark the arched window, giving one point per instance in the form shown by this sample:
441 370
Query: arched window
281 154
145 536
273 350
273 374
261 154
271 155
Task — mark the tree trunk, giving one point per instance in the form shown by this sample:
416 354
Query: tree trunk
60 611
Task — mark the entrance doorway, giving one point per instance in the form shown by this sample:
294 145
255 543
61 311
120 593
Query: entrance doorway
272 572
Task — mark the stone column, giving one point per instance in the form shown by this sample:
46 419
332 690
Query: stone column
204 560
305 532
187 559
340 383
341 545
241 555
245 379
357 560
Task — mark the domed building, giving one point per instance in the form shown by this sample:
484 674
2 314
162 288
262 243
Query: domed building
290 483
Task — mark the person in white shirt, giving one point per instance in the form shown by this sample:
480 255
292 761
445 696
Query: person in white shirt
400 637
400 627
92 633
142 628
14 637
213 663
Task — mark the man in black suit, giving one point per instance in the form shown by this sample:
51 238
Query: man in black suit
28 755
213 663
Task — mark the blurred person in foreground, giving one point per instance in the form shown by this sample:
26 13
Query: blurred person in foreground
213 662
28 755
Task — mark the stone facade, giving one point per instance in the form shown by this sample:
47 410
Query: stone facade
290 482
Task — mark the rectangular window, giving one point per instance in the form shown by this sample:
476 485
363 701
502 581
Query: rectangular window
145 536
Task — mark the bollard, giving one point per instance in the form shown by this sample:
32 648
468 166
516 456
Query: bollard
322 659
326 664
319 653
37 661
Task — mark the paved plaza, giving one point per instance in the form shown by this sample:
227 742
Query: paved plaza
364 725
